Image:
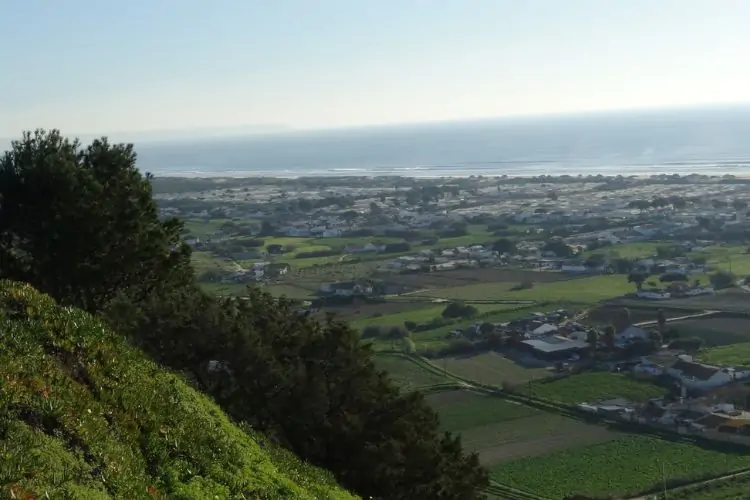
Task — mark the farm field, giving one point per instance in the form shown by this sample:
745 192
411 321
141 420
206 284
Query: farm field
205 261
233 289
421 315
474 276
490 368
625 466
407 373
364 311
726 489
500 431
593 386
635 250
582 291
602 315
733 299
715 331
736 355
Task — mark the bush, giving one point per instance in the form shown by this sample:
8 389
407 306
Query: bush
524 285
371 332
722 279
459 310
689 344
458 346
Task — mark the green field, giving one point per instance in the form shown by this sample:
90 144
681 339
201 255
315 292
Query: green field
579 291
421 315
726 489
490 368
625 466
716 331
500 430
728 355
593 386
635 250
407 373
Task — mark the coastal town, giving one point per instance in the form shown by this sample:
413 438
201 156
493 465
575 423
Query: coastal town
615 302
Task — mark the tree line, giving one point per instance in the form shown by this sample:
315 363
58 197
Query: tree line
79 222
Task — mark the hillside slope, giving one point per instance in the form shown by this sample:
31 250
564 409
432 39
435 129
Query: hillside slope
85 416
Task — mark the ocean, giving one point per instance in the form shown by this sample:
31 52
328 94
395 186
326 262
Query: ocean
712 141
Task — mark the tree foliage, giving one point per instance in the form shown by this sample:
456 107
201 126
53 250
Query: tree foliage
80 224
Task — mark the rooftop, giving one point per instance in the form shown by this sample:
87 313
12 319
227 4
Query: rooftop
555 343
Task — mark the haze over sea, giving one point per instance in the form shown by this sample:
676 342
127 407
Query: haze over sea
711 141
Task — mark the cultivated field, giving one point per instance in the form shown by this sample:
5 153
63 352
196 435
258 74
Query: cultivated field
737 355
715 331
581 291
407 373
733 299
602 315
593 386
472 276
490 368
501 431
626 466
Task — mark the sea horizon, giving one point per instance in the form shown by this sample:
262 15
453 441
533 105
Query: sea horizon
707 141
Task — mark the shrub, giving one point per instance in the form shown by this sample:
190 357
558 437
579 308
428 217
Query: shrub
459 310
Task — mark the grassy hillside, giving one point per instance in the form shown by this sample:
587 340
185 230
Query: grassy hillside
85 416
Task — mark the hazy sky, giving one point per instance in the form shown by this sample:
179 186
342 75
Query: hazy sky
116 65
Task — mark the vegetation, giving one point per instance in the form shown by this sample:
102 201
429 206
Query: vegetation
627 466
593 386
83 415
80 224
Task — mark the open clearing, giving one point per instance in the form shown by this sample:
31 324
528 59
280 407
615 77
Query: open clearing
715 331
499 430
593 386
626 466
490 368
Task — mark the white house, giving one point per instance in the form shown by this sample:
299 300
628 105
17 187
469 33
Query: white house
699 376
574 268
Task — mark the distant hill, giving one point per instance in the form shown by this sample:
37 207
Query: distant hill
83 415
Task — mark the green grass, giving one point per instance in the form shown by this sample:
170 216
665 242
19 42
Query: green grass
203 228
475 410
419 315
728 355
716 332
726 489
490 369
204 261
85 415
635 250
233 289
622 467
407 373
578 291
592 386
289 291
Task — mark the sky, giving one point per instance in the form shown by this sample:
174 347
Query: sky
92 66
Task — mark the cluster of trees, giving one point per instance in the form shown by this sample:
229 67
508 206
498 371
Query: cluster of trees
79 223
